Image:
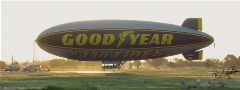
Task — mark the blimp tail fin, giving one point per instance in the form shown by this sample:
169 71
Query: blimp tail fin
197 55
193 23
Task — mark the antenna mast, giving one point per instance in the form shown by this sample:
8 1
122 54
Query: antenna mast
33 52
12 59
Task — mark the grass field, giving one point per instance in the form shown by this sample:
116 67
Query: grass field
128 80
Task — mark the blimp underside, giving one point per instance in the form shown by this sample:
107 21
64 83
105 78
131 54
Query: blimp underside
115 41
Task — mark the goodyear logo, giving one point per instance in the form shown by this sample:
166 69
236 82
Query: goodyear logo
119 39
125 37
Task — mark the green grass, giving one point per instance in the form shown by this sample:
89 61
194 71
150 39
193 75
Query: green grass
130 80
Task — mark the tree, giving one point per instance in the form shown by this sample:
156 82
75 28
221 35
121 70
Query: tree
137 64
216 63
230 57
156 63
95 64
130 65
180 62
208 63
15 63
71 62
2 64
25 63
231 60
164 62
171 65
45 64
57 63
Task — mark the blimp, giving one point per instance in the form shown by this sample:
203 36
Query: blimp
117 41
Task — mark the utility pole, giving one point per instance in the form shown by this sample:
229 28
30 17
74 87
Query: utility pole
12 59
33 52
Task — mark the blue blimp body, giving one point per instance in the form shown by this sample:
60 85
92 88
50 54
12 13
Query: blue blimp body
123 40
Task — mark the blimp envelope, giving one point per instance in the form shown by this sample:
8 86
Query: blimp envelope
122 40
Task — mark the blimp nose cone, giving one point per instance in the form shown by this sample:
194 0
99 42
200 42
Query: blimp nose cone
210 39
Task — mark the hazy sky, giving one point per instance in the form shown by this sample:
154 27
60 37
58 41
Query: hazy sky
22 22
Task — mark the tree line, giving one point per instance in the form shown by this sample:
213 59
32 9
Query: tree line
215 63
228 61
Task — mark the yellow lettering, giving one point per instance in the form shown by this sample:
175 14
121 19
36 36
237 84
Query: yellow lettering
116 54
108 39
157 53
93 55
144 37
74 53
155 39
67 39
167 39
103 55
95 39
146 53
81 39
84 54
134 38
135 53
